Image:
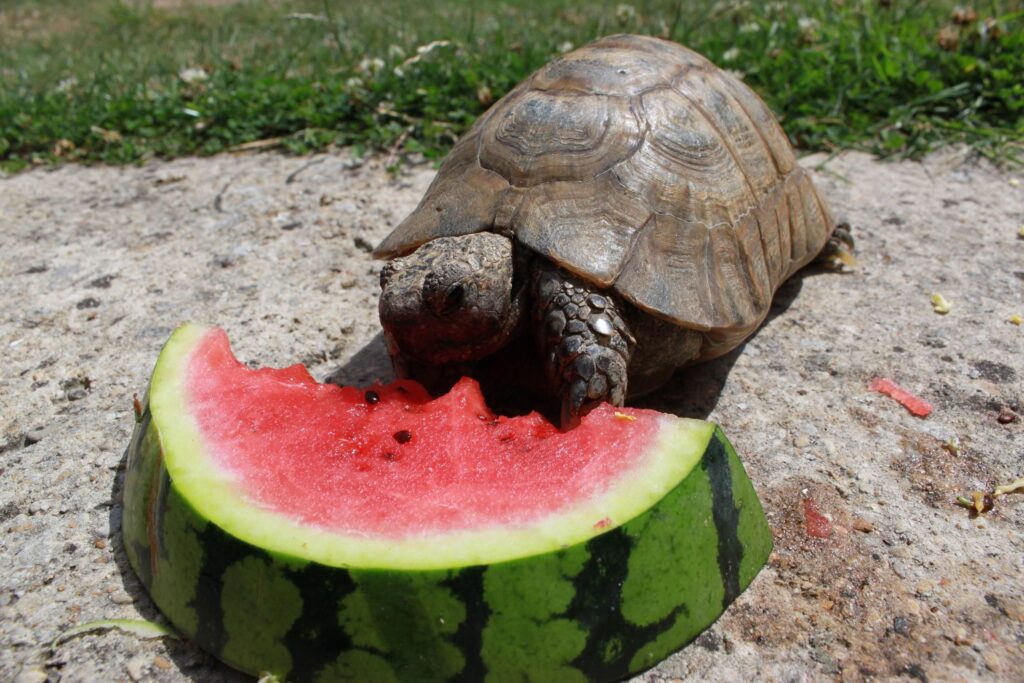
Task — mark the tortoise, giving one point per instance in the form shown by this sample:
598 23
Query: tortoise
629 208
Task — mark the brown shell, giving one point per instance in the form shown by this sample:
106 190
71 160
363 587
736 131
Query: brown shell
637 164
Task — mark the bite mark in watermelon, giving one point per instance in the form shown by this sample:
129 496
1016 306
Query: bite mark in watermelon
323 533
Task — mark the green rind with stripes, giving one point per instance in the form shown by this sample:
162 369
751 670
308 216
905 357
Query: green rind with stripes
599 610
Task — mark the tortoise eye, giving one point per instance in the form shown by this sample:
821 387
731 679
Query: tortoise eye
453 299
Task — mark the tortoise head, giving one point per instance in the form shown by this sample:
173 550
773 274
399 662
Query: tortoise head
451 300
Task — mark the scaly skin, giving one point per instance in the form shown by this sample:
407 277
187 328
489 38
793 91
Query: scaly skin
454 301
583 340
450 301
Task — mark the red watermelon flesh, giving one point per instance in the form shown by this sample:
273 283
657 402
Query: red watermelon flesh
392 462
386 476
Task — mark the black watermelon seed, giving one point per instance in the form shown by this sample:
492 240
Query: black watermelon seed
390 456
372 397
404 436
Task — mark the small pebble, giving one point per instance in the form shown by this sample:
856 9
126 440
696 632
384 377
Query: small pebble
863 525
161 663
961 637
121 599
802 441
992 661
31 675
136 667
1006 416
924 587
88 302
1014 609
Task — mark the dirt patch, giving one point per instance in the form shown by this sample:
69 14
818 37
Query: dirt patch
102 263
938 471
839 597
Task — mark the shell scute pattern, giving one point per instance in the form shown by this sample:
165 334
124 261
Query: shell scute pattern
683 168
762 118
544 137
637 164
563 221
619 66
710 94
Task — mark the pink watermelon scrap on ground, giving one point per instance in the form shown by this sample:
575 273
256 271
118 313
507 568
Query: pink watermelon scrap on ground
816 524
915 404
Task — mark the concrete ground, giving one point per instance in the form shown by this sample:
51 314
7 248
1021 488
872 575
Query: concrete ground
98 265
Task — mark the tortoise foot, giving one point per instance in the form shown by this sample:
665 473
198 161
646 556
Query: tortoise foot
583 340
838 251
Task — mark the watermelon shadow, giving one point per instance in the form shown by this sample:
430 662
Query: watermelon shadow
193 663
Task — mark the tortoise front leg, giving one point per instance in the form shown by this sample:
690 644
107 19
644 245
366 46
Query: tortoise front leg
583 340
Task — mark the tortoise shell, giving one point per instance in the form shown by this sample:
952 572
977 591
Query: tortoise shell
637 164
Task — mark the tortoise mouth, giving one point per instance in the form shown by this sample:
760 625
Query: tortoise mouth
448 333
440 343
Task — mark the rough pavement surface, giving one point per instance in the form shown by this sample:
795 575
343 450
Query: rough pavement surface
100 264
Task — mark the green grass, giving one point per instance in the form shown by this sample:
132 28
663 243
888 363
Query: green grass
103 80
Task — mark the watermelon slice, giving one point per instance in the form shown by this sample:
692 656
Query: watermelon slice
322 533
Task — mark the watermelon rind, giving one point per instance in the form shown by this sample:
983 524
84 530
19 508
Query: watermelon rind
561 600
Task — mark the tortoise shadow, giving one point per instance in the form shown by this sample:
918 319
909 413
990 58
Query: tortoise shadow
369 365
694 391
497 374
